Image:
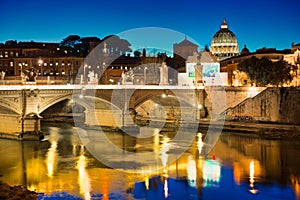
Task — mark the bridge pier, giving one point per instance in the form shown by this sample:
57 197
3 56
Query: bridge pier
114 119
106 118
14 126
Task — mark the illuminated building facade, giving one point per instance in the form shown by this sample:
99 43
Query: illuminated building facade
294 59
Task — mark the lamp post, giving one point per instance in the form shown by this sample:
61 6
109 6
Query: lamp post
145 78
21 75
40 63
84 81
297 63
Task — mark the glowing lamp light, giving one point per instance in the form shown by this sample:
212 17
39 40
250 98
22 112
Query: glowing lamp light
40 61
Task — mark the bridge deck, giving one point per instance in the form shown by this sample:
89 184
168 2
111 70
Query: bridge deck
114 87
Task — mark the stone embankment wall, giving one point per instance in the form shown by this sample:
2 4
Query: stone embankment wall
218 99
272 104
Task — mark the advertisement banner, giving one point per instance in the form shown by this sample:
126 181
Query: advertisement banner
191 69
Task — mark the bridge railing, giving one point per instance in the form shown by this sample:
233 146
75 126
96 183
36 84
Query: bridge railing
95 87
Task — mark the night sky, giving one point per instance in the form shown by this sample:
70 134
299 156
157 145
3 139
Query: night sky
257 23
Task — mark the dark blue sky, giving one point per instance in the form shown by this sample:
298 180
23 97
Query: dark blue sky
257 23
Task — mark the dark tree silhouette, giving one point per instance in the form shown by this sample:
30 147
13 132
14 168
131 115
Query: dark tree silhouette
264 71
85 47
115 45
137 54
70 44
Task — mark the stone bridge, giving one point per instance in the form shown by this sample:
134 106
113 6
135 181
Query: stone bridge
22 107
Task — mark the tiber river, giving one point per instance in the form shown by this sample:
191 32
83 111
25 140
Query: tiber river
238 167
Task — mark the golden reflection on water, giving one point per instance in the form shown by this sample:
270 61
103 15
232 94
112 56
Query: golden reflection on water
166 188
200 143
191 171
252 176
147 182
83 178
43 172
296 185
165 146
52 158
52 152
237 173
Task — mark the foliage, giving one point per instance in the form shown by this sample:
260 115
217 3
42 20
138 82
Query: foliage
77 46
263 72
137 54
70 44
115 45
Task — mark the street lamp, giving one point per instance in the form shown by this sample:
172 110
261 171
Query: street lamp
21 74
84 73
145 78
40 63
297 63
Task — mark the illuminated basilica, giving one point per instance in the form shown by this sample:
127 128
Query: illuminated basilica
224 43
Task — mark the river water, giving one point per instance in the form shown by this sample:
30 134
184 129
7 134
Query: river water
238 167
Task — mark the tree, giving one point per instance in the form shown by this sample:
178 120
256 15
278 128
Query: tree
87 44
162 56
70 44
264 71
115 45
137 54
282 73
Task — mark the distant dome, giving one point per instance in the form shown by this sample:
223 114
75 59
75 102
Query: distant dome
224 43
245 51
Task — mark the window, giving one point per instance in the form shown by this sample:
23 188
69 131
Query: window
11 63
17 54
6 54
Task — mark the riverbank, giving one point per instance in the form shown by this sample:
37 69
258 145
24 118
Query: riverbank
255 129
31 136
259 129
16 192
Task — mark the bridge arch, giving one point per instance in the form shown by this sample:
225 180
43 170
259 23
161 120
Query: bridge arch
9 107
186 99
92 102
52 101
88 102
